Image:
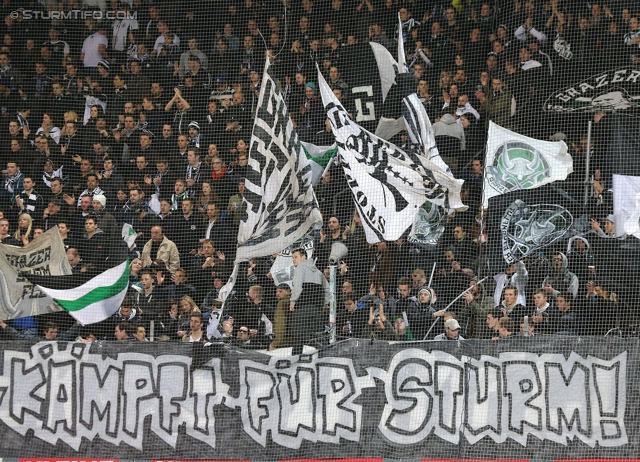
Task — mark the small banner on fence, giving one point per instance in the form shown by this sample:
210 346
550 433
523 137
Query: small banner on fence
44 256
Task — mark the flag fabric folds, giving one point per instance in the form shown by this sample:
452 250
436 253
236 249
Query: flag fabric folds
423 145
388 185
89 302
516 161
626 205
320 157
280 203
45 255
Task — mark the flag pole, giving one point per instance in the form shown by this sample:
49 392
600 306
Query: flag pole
449 305
332 306
587 183
433 270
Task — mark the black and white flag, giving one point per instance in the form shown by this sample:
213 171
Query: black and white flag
388 184
281 205
522 223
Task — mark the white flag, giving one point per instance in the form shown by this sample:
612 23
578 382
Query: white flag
281 205
626 205
388 184
517 162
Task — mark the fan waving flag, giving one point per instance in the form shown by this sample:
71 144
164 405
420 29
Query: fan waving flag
89 302
518 162
281 204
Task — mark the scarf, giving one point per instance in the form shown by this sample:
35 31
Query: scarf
10 182
218 175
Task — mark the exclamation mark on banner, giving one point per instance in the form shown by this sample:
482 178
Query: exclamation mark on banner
606 382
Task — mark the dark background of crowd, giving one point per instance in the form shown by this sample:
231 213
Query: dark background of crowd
104 121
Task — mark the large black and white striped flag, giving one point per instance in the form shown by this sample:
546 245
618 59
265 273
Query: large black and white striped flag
281 205
389 185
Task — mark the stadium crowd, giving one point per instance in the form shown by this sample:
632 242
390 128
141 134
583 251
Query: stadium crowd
148 122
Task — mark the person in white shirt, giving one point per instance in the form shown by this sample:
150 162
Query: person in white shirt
163 28
92 4
94 50
121 29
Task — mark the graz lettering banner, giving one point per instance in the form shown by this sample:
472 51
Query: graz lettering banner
46 256
525 398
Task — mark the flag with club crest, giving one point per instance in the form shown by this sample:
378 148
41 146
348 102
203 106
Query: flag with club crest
523 223
516 161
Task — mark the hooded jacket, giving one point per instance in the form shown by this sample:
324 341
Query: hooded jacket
519 279
423 316
562 280
579 262
449 126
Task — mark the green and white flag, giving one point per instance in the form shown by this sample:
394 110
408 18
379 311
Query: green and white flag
321 158
91 301
129 235
516 161
626 205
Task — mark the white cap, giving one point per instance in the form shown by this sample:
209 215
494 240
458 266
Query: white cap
451 324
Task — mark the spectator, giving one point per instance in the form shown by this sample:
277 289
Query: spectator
451 331
510 306
196 321
94 50
565 320
378 327
309 296
159 247
12 186
560 279
123 331
281 331
505 329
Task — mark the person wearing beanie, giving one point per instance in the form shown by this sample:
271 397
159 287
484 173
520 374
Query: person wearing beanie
429 310
614 262
311 114
106 222
194 137
281 335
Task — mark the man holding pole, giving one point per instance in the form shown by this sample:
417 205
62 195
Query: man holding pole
309 295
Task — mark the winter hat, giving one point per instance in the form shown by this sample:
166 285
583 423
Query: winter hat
610 218
100 198
103 63
429 291
559 136
195 125
312 86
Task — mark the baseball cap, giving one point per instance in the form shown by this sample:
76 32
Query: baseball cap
451 324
